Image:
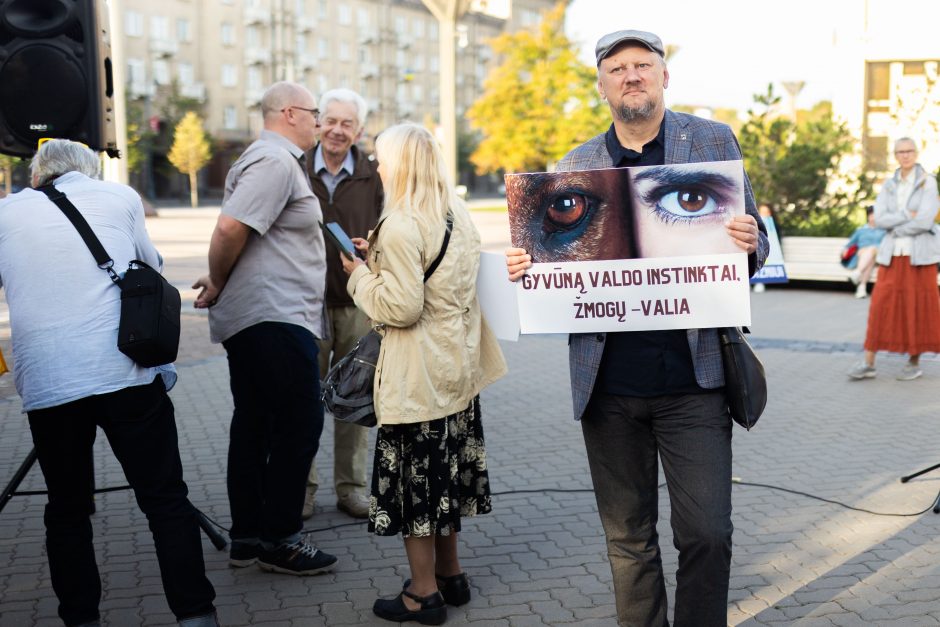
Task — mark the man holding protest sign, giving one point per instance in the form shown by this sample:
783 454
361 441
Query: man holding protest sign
648 393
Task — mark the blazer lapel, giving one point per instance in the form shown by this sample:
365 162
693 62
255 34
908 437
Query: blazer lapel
678 139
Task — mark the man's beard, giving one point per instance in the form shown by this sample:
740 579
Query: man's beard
626 113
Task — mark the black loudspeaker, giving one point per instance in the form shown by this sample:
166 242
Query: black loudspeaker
56 77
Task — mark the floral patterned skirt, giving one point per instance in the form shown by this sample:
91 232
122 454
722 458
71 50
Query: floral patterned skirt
426 475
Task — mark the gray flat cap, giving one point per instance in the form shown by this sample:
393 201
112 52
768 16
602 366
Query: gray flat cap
607 43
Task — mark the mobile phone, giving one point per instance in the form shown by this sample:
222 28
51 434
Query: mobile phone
335 233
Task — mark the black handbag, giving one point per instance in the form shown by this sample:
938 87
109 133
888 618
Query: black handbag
347 391
149 330
745 381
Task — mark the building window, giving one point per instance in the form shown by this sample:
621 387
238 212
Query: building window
183 32
876 153
255 81
159 27
323 83
228 34
434 63
401 26
418 27
300 7
185 73
252 37
913 68
323 10
229 75
362 18
230 118
344 51
161 72
300 43
345 15
134 24
323 48
136 72
879 81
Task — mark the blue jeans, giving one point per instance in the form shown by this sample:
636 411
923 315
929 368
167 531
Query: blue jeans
691 434
140 426
275 431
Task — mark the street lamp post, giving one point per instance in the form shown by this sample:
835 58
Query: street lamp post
447 13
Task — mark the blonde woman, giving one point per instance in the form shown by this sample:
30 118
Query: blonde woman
437 354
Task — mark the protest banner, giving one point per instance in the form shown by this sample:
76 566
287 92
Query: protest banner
630 249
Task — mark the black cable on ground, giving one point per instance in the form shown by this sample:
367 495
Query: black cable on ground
734 480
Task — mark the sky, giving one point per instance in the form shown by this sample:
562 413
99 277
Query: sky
728 49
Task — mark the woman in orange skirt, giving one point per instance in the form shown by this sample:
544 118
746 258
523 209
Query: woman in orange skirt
904 316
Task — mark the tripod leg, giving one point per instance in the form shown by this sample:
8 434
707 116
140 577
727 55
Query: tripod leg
18 477
217 539
907 478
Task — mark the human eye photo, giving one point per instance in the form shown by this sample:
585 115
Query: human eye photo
625 213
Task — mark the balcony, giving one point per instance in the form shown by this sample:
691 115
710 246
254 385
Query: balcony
306 60
305 24
367 71
253 97
368 36
163 47
140 89
257 15
257 56
196 91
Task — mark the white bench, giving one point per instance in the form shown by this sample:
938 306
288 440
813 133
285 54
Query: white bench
814 258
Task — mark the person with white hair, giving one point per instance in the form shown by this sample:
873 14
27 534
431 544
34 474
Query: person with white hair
347 184
64 317
264 291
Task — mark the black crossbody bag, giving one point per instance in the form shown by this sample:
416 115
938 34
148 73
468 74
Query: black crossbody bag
149 332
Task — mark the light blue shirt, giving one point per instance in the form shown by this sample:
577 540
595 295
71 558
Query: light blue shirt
64 310
332 180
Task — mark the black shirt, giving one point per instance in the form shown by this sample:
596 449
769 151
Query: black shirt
645 363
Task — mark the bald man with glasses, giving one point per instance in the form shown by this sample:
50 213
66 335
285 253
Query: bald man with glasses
265 295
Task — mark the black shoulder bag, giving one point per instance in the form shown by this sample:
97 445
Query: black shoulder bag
149 332
347 390
745 382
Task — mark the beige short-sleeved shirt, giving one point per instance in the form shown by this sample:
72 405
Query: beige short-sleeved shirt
281 273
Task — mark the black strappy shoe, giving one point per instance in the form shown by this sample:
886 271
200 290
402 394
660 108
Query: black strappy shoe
433 610
455 589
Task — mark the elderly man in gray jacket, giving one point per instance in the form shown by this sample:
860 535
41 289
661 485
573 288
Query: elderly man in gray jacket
645 394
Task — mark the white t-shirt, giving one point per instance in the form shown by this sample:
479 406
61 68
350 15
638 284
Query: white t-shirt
64 310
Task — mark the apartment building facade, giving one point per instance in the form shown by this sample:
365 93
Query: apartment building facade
223 53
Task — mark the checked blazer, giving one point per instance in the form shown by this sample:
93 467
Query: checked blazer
688 139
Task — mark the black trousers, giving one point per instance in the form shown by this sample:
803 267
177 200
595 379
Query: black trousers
140 426
691 434
276 426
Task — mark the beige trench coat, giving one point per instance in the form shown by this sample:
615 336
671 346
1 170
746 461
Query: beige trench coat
437 351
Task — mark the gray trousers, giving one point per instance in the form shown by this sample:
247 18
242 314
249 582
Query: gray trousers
692 435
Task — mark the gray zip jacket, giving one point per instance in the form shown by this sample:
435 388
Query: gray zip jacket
902 221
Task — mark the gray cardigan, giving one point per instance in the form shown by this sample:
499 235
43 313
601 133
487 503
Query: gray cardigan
899 223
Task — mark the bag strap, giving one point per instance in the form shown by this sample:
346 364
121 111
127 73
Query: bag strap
81 225
440 256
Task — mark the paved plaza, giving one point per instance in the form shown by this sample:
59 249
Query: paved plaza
540 558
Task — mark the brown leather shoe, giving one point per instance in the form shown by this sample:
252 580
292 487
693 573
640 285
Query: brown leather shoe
355 504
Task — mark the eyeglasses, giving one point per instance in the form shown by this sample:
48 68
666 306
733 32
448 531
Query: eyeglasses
905 152
43 140
314 112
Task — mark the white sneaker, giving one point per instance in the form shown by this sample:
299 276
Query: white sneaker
862 371
910 372
861 291
854 277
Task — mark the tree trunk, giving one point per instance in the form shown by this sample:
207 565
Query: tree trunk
193 191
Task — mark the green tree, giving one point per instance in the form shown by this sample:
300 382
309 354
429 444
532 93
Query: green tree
797 169
539 103
7 163
190 151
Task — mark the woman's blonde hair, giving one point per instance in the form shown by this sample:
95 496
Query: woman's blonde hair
415 175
